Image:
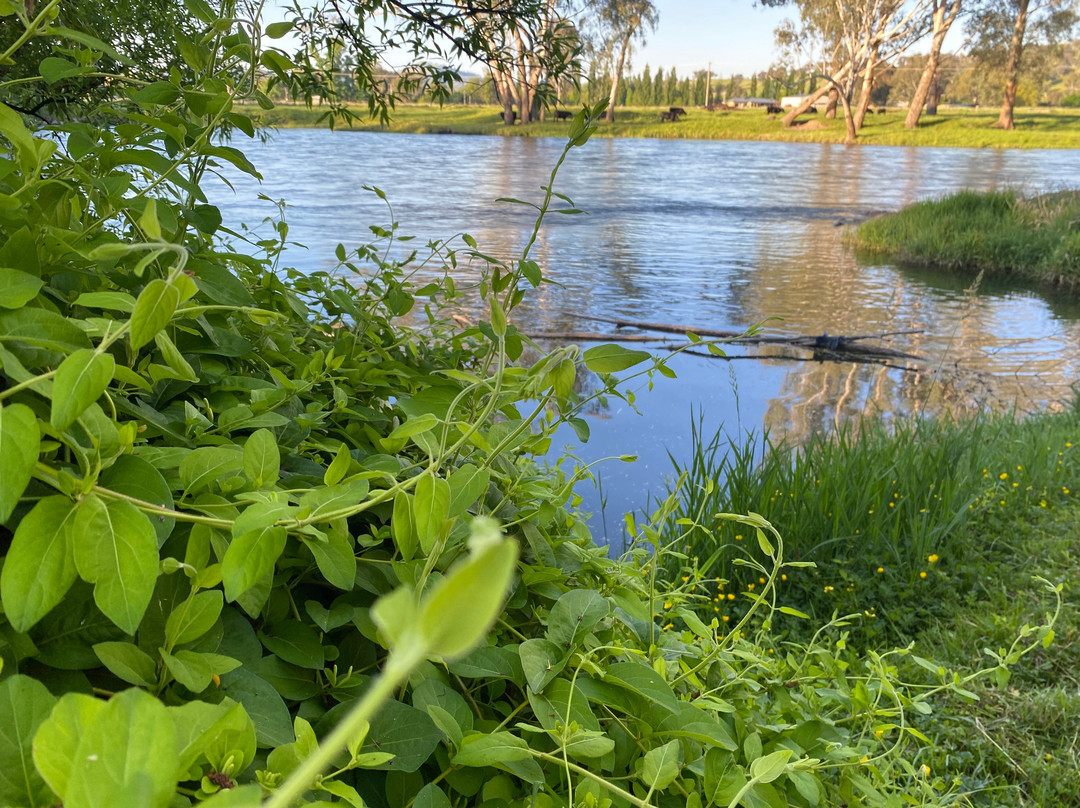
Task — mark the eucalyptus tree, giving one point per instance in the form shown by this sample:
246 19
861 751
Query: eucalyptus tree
943 13
619 23
1000 30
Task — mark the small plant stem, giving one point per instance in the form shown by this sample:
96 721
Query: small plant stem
614 789
743 792
30 31
398 666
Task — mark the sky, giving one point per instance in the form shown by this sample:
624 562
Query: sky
735 35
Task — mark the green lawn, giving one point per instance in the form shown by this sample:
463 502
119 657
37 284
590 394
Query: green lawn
1036 128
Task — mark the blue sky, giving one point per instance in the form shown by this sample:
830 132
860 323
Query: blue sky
735 35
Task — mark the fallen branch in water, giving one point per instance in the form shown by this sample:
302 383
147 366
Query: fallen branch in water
823 345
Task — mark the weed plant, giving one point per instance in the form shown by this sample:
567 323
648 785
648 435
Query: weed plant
1000 233
883 511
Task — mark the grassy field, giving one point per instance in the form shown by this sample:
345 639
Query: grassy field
1035 128
1033 238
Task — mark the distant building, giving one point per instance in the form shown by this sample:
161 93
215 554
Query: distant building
749 103
795 100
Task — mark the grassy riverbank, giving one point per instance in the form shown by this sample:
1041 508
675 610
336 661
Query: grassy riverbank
1031 238
931 534
1035 128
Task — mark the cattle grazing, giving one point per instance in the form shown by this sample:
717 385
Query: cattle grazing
670 115
881 111
772 109
677 111
563 115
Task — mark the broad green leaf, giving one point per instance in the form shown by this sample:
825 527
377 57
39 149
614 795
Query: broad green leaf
204 465
80 380
644 681
148 221
296 643
158 92
136 477
126 757
174 359
661 766
487 750
768 768
128 662
612 358
467 484
213 732
20 439
17 288
115 301
574 615
463 605
54 69
338 467
335 559
401 526
57 738
273 725
154 308
191 669
43 328
276 30
588 744
193 617
431 505
431 796
262 459
541 660
249 558
414 426
249 796
328 501
24 705
40 564
116 550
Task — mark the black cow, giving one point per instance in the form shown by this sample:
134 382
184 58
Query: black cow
881 111
676 111
670 115
772 109
563 115
512 113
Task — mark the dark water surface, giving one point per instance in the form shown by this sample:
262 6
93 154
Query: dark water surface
710 234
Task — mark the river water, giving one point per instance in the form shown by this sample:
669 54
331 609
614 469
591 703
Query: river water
709 234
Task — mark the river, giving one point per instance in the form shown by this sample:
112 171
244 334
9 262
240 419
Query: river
712 234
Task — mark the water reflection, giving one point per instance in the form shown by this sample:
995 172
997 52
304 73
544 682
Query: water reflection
712 234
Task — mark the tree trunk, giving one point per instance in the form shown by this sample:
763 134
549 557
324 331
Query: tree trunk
1012 69
504 93
943 20
867 87
849 119
616 74
830 105
814 96
933 98
524 91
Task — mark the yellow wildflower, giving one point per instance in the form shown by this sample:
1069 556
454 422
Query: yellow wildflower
1003 476
933 558
922 574
881 569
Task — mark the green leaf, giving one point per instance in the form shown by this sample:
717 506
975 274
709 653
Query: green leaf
190 669
661 766
158 92
249 558
249 796
487 750
17 288
273 724
128 662
431 796
644 681
296 643
154 308
206 464
20 439
116 550
43 328
574 615
213 732
148 221
193 617
57 738
126 757
24 704
54 69
335 559
431 505
115 301
612 358
174 359
588 744
541 660
401 526
80 380
768 768
276 30
463 605
327 501
581 428
40 565
414 426
135 477
262 459
338 467
467 484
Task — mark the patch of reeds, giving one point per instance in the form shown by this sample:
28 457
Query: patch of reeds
1036 238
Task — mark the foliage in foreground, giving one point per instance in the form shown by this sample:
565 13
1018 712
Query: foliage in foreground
883 511
999 233
248 537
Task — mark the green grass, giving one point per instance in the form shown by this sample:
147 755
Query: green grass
1035 128
871 508
999 233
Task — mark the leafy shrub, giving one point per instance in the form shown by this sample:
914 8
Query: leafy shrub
249 536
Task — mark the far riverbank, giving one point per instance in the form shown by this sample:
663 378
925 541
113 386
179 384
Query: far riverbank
1036 128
